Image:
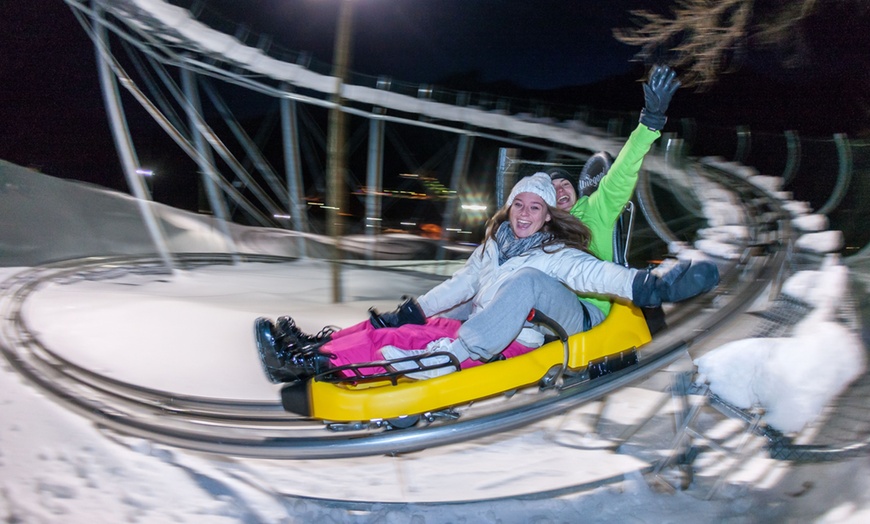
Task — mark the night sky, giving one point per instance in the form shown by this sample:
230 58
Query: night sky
540 44
51 105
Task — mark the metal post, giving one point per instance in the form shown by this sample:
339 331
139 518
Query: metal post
844 174
336 164
124 144
505 175
375 174
205 160
744 144
460 167
293 170
793 163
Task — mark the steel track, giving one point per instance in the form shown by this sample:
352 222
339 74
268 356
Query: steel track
264 430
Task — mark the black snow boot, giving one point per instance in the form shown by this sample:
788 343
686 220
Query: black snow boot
280 365
291 339
408 312
267 346
673 281
300 367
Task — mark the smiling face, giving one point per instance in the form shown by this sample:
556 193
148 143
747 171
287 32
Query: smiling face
566 197
528 214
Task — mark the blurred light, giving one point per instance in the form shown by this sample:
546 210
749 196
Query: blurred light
282 216
375 219
473 207
408 223
144 172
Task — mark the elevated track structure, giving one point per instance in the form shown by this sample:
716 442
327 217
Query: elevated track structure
170 59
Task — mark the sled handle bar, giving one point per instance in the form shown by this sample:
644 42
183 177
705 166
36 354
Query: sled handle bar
540 318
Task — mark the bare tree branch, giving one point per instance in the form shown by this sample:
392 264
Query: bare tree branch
706 38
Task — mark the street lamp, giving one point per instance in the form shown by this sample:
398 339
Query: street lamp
336 161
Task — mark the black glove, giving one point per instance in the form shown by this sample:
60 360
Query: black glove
408 312
657 93
673 281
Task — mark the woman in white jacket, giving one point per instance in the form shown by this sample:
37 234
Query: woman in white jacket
534 256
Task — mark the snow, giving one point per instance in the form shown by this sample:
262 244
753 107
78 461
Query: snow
789 377
821 242
192 335
811 222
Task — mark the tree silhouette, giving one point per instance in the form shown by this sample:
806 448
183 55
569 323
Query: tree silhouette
707 38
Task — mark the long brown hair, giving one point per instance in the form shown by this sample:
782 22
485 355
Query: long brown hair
564 228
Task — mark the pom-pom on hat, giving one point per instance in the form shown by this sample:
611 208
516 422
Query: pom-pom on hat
539 184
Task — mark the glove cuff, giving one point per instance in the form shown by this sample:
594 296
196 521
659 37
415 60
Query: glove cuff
654 121
645 289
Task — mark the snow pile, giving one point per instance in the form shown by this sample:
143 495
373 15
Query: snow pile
792 378
808 223
821 241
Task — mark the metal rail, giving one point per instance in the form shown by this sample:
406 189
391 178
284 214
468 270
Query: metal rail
264 430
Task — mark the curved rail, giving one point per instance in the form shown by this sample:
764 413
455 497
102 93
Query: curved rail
264 430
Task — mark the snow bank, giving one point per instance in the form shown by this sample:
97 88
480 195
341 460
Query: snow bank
792 378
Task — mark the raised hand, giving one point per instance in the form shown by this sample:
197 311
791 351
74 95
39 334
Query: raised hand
657 94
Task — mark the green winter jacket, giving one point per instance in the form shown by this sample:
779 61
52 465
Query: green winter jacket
600 210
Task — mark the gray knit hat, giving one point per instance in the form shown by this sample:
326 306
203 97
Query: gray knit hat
539 184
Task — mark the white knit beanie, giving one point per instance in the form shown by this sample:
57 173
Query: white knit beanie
539 184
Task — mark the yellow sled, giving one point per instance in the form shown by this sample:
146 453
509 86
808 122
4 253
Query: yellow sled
608 346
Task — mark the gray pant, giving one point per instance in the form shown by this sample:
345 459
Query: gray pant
492 329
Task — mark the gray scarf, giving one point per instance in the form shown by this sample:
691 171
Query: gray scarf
510 246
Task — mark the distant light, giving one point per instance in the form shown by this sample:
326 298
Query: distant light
144 172
454 229
408 223
473 207
330 207
375 219
288 217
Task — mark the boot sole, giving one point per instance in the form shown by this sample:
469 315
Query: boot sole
266 348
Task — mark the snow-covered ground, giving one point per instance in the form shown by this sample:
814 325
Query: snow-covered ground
192 335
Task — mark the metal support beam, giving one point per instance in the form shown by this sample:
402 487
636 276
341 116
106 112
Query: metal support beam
123 142
844 174
205 160
336 162
505 176
293 170
457 181
251 149
744 144
793 161
375 175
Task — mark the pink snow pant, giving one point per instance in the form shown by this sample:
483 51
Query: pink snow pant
362 342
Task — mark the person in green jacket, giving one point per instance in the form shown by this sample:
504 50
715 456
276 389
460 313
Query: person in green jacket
598 204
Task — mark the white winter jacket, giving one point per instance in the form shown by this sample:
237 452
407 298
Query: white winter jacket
481 277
